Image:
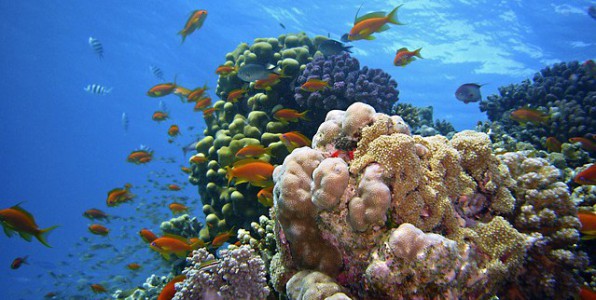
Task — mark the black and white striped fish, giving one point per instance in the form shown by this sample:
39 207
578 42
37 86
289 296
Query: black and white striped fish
157 72
97 89
96 46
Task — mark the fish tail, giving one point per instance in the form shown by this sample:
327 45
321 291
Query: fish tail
42 235
417 53
229 174
303 115
392 16
183 34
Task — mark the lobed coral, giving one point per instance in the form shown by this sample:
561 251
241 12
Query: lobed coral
409 216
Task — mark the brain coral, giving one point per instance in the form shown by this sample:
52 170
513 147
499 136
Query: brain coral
397 216
566 91
347 84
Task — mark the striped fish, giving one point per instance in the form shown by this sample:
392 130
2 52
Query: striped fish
96 46
157 72
97 89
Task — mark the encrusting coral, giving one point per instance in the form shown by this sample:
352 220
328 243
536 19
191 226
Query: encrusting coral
387 215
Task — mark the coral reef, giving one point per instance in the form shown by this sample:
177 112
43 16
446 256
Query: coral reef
184 225
420 120
401 216
239 273
566 91
347 84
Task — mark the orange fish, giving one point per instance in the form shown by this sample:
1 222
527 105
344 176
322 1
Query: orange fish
147 235
98 229
552 144
202 104
234 95
174 187
254 171
94 214
585 143
169 290
265 196
224 70
17 219
208 112
118 196
290 115
133 266
160 116
186 170
172 244
181 92
221 238
266 84
586 293
197 93
178 208
198 159
98 288
174 130
162 89
587 176
17 262
294 139
252 151
140 156
588 222
525 115
370 23
315 85
194 22
403 56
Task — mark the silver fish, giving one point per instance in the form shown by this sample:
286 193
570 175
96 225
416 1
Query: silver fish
96 46
157 72
97 89
333 47
125 122
252 72
468 92
190 147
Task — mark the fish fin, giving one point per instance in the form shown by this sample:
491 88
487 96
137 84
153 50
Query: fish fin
392 16
7 230
356 16
175 236
229 174
181 254
383 28
183 34
165 255
417 53
370 38
375 14
19 208
42 235
198 244
25 236
303 115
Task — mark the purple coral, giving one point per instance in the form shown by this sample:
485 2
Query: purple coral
238 274
347 84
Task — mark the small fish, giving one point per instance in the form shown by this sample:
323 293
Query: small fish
252 72
147 235
194 22
118 196
17 262
208 112
202 104
97 47
186 170
403 56
174 187
169 290
172 244
224 70
98 229
592 11
252 151
315 85
141 155
370 23
585 143
162 89
157 72
95 214
234 95
98 288
468 92
133 266
588 222
97 89
552 144
587 176
125 122
332 47
265 196
197 93
198 159
174 130
282 25
255 172
286 115
294 139
17 219
177 208
190 147
221 238
267 84
525 115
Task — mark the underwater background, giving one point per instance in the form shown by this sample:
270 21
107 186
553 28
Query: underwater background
64 148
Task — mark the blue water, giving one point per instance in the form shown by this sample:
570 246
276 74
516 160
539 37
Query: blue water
62 148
